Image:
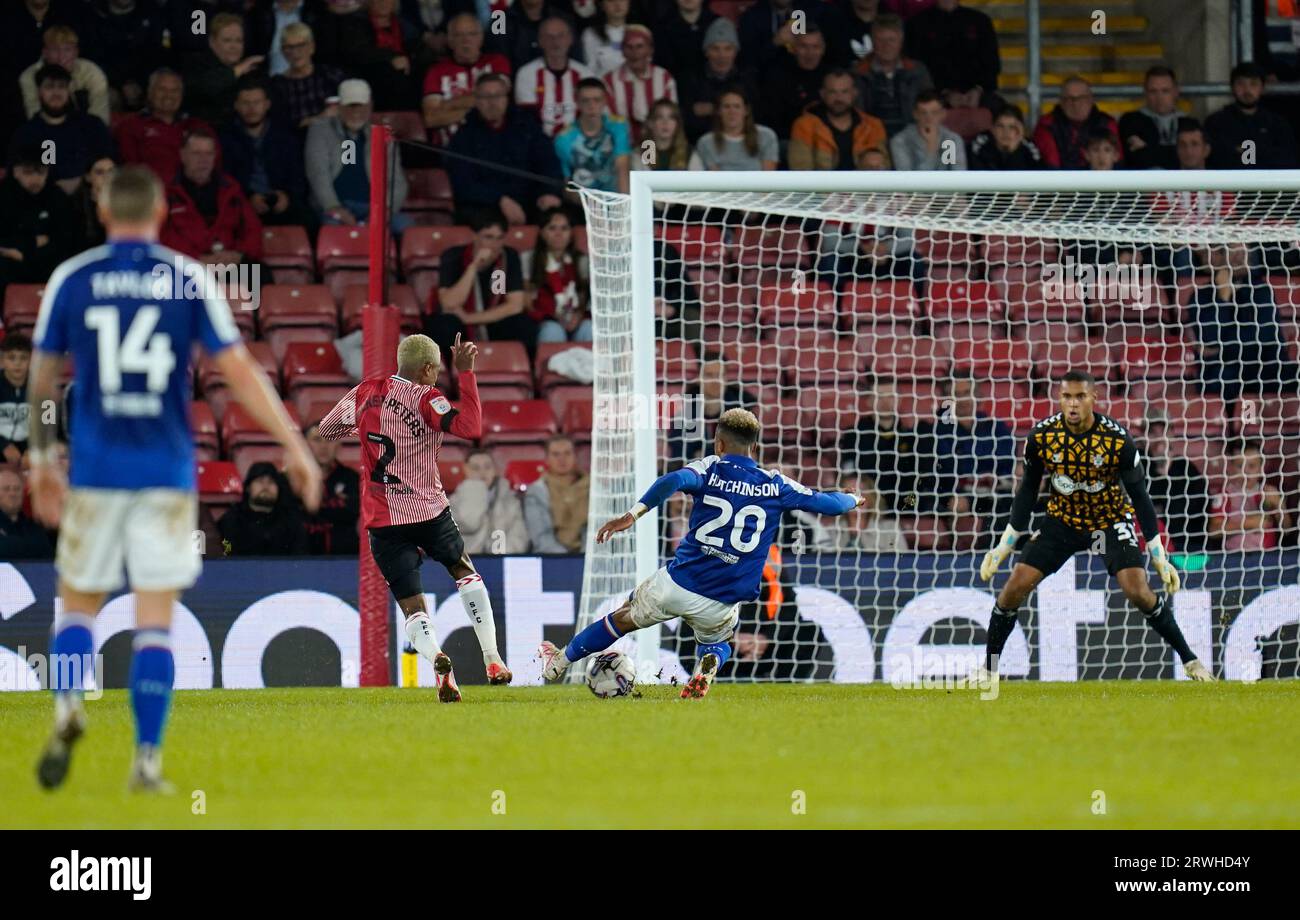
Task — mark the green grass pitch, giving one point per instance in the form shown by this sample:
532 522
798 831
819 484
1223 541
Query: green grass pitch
1041 755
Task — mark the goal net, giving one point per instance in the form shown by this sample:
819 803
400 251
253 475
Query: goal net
899 334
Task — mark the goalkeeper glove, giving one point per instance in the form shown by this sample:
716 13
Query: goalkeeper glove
993 558
1164 568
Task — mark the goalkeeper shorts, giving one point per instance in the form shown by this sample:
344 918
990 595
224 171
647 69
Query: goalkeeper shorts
1055 542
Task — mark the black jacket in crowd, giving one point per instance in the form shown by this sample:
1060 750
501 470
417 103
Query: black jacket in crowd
985 154
23 539
278 532
333 529
24 218
1229 128
960 48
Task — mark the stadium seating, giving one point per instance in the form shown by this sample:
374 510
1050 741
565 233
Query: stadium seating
577 421
238 428
869 301
401 296
545 377
561 396
812 304
451 472
219 482
523 473
429 197
21 305
421 254
309 365
287 252
204 425
503 363
517 421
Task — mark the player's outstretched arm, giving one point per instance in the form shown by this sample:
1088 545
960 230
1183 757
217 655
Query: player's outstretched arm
468 421
683 480
251 388
47 482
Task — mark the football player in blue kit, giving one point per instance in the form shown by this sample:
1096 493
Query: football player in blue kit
718 564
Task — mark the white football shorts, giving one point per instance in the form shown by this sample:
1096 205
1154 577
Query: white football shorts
152 532
659 599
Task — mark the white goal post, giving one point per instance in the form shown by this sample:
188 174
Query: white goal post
825 301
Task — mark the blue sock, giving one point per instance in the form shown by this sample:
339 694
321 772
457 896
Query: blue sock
721 649
152 674
595 638
72 651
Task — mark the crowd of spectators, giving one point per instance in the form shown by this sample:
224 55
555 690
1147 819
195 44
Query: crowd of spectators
260 112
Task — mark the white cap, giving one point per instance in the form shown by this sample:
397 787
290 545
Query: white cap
354 92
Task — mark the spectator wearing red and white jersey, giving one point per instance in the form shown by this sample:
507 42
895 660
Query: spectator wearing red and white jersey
209 218
449 84
558 282
153 136
549 85
1061 135
639 83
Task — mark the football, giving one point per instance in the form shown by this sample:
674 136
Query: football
611 674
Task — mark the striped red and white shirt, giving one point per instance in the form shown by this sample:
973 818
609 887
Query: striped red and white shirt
631 96
400 425
553 95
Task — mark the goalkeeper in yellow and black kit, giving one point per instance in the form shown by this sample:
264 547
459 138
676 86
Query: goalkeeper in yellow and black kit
1094 469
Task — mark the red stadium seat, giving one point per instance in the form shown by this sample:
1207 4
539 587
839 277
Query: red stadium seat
22 305
405 125
747 363
204 426
941 246
246 455
523 473
1167 358
308 364
287 252
772 247
890 354
1019 251
219 483
505 454
958 300
429 190
577 419
314 402
499 392
238 428
1267 416
503 362
280 339
676 361
297 305
340 246
700 245
522 238
995 358
1027 303
559 397
809 304
828 411
580 238
1052 359
452 474
873 301
422 247
834 364
513 422
546 378
401 296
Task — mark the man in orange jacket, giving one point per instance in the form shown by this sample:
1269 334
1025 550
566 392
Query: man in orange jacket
832 133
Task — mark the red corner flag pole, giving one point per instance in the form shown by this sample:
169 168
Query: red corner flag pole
379 331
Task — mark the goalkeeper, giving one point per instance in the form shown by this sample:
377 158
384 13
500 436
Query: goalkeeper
1086 456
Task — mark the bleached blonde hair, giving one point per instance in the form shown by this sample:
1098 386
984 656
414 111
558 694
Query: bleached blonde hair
414 352
739 427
